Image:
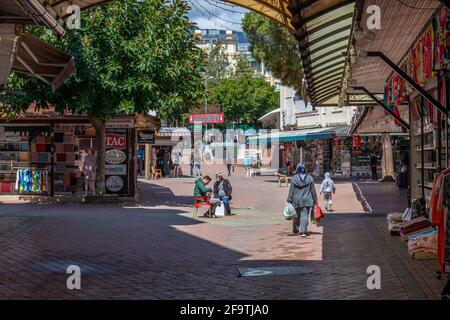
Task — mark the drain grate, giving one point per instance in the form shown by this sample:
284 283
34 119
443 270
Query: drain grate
272 271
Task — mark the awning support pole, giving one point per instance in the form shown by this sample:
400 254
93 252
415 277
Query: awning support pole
405 77
403 123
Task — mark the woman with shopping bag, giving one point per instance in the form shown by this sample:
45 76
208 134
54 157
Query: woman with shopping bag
302 196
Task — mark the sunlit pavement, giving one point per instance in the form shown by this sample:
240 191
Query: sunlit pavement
154 249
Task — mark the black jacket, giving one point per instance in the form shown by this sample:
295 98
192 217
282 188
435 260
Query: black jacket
226 186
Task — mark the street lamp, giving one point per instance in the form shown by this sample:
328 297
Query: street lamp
206 98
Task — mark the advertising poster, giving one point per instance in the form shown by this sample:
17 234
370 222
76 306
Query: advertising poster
116 158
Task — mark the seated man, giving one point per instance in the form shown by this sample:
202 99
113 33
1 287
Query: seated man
222 191
201 189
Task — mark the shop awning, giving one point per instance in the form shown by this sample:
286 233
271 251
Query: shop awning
174 132
37 58
323 36
401 24
294 135
323 29
59 7
375 120
276 11
272 115
27 54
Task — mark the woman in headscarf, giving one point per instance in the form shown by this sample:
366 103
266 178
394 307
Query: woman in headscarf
303 196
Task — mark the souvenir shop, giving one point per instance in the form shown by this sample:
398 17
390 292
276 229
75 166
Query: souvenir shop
44 154
43 158
424 226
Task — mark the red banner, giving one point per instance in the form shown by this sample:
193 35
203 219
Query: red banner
356 141
206 118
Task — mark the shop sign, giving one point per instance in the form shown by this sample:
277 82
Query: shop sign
206 118
116 161
114 183
356 141
146 137
115 156
119 124
113 170
118 141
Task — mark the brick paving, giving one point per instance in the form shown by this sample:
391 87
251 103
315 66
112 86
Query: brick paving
155 250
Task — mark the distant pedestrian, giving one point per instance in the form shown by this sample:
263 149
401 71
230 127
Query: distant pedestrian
197 162
176 163
166 163
303 196
374 166
191 164
328 188
248 165
229 161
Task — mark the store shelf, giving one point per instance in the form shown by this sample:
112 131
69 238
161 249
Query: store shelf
417 134
426 148
426 185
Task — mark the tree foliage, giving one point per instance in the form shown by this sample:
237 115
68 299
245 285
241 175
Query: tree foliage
217 63
245 99
243 66
276 47
131 56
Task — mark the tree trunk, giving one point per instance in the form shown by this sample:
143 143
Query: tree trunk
99 126
387 162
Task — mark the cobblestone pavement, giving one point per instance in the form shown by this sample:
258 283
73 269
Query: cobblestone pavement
155 250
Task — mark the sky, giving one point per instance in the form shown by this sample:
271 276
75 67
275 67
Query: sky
215 14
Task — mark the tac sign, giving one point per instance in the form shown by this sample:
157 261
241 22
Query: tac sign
356 141
117 141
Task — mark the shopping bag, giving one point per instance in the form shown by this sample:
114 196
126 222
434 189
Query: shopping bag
289 211
220 210
318 213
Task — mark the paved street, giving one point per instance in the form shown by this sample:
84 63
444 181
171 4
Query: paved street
155 250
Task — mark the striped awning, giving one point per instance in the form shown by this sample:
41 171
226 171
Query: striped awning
296 135
324 35
174 132
324 32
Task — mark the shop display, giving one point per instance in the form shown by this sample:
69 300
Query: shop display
30 180
426 224
440 216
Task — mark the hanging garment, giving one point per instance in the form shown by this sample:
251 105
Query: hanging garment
438 212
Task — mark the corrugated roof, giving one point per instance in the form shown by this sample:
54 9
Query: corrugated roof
400 27
323 29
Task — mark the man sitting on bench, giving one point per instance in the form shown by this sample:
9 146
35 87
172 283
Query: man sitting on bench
222 191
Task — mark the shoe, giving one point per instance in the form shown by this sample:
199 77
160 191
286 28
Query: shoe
303 235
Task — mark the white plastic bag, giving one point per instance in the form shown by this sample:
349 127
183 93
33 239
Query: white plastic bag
289 211
220 209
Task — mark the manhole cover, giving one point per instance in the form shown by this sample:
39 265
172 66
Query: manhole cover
272 271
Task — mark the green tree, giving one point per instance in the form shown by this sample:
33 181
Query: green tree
245 99
243 66
276 47
131 57
217 63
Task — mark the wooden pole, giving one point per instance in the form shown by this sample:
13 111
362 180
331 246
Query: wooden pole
147 159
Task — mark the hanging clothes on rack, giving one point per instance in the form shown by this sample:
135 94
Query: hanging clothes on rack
440 206
31 180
